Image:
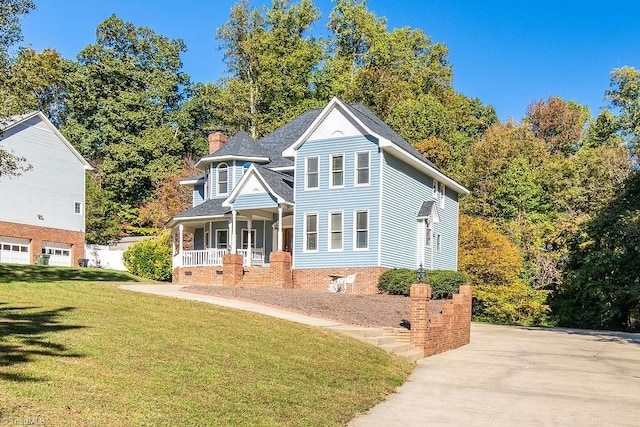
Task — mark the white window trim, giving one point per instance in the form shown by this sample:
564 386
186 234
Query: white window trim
254 236
438 247
304 233
428 233
330 232
355 230
306 173
218 168
355 169
331 170
443 193
77 204
217 242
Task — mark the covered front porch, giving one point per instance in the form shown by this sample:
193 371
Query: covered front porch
253 234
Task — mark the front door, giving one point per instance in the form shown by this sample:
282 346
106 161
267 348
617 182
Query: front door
287 239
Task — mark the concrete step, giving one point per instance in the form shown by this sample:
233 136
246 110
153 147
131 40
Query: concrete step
395 347
381 340
413 355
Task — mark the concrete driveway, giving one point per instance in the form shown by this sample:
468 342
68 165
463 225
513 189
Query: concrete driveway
510 376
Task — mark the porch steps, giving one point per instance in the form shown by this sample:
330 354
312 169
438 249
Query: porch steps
393 340
255 277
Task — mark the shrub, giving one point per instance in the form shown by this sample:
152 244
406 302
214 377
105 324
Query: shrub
445 283
151 258
398 281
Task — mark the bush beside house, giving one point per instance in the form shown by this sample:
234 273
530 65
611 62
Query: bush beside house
151 258
444 283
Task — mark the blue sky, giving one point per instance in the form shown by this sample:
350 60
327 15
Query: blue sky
508 54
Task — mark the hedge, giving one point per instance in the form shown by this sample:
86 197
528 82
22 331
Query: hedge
444 283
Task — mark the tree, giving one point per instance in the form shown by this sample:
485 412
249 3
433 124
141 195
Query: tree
602 287
11 13
121 107
558 123
493 266
270 61
38 82
381 68
624 93
101 219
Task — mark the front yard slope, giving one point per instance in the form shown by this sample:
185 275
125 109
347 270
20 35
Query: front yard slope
76 353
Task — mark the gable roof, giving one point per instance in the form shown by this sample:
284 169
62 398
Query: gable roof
275 183
241 146
429 209
12 121
388 140
277 141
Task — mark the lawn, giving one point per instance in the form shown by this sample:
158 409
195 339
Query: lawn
77 352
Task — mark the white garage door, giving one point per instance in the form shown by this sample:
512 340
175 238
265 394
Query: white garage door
59 253
14 251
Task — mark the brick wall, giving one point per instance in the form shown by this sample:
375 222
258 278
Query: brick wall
317 279
197 276
449 329
39 234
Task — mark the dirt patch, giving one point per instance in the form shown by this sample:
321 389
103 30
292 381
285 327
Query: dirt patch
362 310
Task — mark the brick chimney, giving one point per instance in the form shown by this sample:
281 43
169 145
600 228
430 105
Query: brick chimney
216 140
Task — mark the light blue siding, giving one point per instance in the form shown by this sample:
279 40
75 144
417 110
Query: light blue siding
254 201
447 258
346 200
198 194
44 196
404 191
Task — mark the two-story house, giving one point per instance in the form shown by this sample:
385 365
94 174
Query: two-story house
336 188
42 210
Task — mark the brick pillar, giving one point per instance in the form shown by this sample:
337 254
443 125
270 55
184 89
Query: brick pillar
465 296
420 296
232 269
280 269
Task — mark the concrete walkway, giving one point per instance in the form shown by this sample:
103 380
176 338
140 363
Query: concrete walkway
506 376
174 292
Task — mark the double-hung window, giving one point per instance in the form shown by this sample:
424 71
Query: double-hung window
439 192
362 168
337 170
311 232
223 178
361 230
222 239
77 208
428 233
335 231
311 173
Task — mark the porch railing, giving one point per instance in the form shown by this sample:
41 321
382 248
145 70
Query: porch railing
202 258
206 258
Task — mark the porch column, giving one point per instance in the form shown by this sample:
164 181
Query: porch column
181 237
233 231
173 242
279 228
249 253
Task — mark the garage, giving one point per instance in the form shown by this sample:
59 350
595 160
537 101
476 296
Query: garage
59 253
14 251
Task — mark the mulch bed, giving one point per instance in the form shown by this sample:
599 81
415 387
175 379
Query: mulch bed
362 310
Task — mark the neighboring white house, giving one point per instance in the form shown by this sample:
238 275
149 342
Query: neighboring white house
42 211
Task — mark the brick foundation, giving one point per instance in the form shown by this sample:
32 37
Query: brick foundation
317 279
435 333
197 276
39 234
232 269
280 270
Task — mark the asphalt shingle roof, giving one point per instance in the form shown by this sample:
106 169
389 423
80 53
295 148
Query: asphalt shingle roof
209 207
280 183
240 145
425 209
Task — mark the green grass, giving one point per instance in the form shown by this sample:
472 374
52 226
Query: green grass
35 273
82 353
